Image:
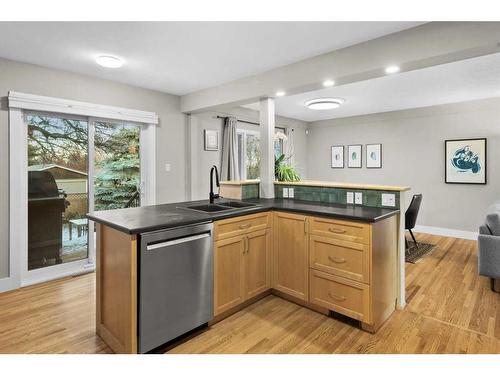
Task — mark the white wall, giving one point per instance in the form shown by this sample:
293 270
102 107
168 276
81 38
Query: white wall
413 155
202 160
171 133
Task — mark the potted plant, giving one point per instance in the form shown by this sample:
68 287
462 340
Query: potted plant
284 171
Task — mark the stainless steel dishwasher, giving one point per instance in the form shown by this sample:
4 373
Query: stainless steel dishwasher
175 283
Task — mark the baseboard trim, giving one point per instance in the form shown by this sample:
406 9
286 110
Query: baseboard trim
446 232
7 284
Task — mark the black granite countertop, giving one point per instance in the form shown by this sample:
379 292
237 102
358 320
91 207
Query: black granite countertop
162 216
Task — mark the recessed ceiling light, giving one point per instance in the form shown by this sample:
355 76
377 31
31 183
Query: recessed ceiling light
321 104
329 83
109 61
392 69
280 93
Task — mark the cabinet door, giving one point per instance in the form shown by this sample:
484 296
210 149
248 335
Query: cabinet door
291 264
257 263
228 274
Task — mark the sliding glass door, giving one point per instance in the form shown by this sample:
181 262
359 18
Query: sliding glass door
57 190
75 165
117 165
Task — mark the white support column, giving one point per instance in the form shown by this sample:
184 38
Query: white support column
267 119
401 297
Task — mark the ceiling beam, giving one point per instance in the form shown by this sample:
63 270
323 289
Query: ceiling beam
416 48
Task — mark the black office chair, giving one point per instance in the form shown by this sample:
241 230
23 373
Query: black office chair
411 216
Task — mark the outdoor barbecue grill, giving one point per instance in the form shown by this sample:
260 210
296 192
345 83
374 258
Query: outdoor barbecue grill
46 205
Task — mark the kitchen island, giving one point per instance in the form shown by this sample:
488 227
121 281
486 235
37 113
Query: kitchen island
328 257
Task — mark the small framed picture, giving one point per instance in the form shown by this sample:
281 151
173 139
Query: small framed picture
465 161
337 156
355 156
374 155
211 140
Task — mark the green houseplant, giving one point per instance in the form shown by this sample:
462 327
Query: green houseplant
283 171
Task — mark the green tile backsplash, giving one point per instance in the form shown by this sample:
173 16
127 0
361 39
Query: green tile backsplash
371 198
250 191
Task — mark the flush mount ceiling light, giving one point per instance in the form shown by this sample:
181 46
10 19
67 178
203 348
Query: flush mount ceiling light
329 83
392 69
321 104
280 93
109 61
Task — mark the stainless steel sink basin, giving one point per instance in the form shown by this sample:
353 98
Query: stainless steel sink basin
236 204
208 208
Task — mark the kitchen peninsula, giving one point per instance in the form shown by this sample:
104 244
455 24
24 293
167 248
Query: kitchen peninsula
326 255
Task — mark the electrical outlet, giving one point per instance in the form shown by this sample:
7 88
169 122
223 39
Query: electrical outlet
350 197
358 197
285 192
389 200
167 167
290 192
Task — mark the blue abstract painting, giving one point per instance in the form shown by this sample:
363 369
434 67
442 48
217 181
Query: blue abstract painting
466 161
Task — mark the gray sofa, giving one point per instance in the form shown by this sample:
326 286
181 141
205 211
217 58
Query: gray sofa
489 247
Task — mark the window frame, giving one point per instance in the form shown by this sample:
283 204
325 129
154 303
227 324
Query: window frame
19 105
242 151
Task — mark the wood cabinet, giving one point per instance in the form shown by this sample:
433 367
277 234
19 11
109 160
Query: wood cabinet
228 273
242 261
353 268
257 260
290 258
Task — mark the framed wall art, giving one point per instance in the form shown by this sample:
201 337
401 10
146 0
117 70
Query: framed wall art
355 156
374 155
211 140
337 156
465 161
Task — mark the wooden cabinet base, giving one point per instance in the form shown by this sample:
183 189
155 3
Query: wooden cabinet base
116 289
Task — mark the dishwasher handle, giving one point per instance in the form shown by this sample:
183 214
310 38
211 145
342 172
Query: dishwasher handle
177 241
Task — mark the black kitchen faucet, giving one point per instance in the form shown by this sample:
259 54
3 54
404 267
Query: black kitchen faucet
213 196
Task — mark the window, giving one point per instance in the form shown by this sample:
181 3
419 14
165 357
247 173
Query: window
249 152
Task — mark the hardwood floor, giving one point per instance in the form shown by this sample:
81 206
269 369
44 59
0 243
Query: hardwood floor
450 310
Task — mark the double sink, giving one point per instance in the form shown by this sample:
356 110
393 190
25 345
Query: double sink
223 206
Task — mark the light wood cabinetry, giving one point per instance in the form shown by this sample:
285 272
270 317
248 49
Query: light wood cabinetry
257 261
343 230
228 273
290 258
242 259
341 258
353 268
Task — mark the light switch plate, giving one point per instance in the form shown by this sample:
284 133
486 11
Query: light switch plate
358 197
350 197
285 192
290 192
389 200
167 167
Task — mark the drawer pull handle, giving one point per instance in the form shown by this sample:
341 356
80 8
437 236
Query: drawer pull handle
245 226
335 230
337 298
336 260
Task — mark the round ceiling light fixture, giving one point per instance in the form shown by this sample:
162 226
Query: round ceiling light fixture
329 83
109 61
321 104
392 69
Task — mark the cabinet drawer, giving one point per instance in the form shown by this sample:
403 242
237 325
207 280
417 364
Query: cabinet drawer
341 229
341 295
341 258
240 225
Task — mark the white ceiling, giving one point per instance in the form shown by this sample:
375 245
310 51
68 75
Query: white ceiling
472 79
181 57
